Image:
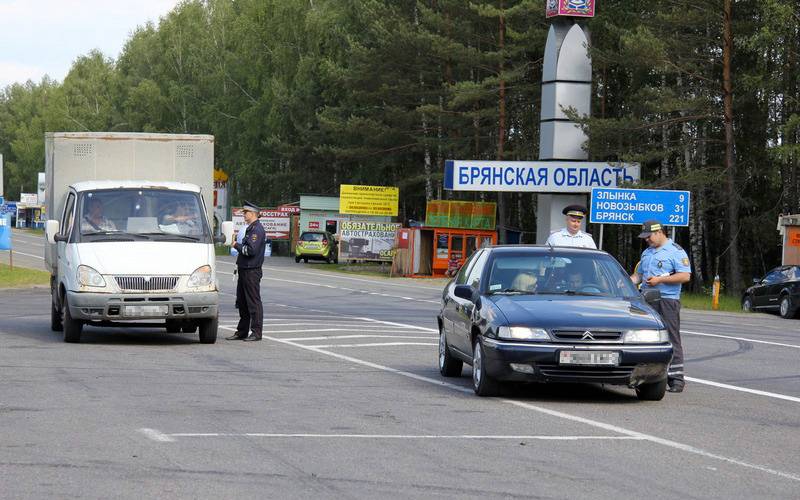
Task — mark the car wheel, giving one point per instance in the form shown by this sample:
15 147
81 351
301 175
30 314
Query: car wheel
482 383
448 365
208 330
55 318
787 309
652 392
72 327
297 258
305 260
173 326
747 304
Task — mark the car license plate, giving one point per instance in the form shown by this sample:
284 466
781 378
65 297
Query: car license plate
149 310
588 358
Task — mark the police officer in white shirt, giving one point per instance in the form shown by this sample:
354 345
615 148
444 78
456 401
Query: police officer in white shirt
572 236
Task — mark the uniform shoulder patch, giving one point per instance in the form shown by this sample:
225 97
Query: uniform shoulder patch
685 261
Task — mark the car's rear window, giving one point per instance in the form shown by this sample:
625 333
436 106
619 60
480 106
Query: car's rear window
312 237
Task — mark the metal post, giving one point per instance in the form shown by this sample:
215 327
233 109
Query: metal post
600 240
673 233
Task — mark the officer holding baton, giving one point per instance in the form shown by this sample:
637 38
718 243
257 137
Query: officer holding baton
248 287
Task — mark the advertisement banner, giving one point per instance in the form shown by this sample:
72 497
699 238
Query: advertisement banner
368 200
364 240
276 224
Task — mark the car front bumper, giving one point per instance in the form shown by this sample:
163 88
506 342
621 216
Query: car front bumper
638 364
87 306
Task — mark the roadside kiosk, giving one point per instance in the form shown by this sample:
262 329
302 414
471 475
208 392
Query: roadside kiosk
789 229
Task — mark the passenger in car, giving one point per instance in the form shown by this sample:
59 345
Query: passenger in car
525 281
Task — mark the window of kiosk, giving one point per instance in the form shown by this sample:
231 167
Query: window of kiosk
442 241
457 247
470 248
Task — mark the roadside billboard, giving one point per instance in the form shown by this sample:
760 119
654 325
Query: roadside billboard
368 200
276 224
366 240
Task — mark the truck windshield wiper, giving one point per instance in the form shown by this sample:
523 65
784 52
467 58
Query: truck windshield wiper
171 235
115 232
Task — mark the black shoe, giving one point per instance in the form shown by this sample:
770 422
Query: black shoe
236 336
675 388
252 338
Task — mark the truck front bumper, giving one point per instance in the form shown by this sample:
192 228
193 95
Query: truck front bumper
88 306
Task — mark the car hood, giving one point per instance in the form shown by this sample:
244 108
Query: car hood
145 257
567 312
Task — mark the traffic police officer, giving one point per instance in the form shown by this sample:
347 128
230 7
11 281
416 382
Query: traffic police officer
572 236
248 287
665 266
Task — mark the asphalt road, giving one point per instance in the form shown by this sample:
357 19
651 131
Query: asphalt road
343 399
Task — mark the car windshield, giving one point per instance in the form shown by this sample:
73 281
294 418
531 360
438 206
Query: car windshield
546 273
312 237
156 214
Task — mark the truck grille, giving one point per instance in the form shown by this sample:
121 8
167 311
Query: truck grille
146 283
581 335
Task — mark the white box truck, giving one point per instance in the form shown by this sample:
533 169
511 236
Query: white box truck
132 245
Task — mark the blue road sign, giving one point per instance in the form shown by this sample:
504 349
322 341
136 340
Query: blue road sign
5 232
635 206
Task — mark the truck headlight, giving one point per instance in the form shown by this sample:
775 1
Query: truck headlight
522 333
89 277
645 336
201 277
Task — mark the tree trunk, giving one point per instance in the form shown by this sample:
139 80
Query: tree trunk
734 266
501 126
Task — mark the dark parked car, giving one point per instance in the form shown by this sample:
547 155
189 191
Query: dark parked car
544 314
778 291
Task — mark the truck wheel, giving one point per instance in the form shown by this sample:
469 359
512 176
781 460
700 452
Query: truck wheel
208 330
72 327
173 326
55 318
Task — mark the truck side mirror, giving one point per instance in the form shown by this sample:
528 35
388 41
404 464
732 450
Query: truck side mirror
226 235
51 230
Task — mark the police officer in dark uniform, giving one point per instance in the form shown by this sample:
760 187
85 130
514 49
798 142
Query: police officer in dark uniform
665 266
248 286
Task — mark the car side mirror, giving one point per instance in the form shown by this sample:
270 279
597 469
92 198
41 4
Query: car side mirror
651 295
463 292
756 281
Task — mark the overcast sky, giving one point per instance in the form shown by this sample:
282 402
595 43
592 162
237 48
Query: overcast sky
39 37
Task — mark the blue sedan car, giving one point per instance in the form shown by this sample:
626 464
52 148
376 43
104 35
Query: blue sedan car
551 314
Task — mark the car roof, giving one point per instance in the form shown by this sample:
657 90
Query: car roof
541 249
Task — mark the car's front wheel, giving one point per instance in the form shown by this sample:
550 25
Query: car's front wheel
448 365
208 330
652 392
482 383
72 327
787 308
747 304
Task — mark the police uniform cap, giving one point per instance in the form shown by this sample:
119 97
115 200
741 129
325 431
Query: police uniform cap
578 211
251 207
649 227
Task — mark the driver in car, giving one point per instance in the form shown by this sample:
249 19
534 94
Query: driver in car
94 220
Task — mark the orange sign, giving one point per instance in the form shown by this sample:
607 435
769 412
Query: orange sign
794 236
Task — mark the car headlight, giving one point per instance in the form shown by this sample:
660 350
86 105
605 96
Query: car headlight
522 333
201 277
645 336
89 277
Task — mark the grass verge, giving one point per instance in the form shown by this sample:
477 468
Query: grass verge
22 276
702 302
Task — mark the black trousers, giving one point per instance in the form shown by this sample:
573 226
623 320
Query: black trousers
670 311
248 300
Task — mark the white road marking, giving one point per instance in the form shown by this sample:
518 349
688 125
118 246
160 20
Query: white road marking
740 338
156 435
744 389
574 418
404 436
329 337
376 344
16 252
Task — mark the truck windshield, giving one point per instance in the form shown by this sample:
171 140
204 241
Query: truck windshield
158 214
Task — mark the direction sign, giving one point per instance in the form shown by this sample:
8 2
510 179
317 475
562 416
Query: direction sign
635 206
